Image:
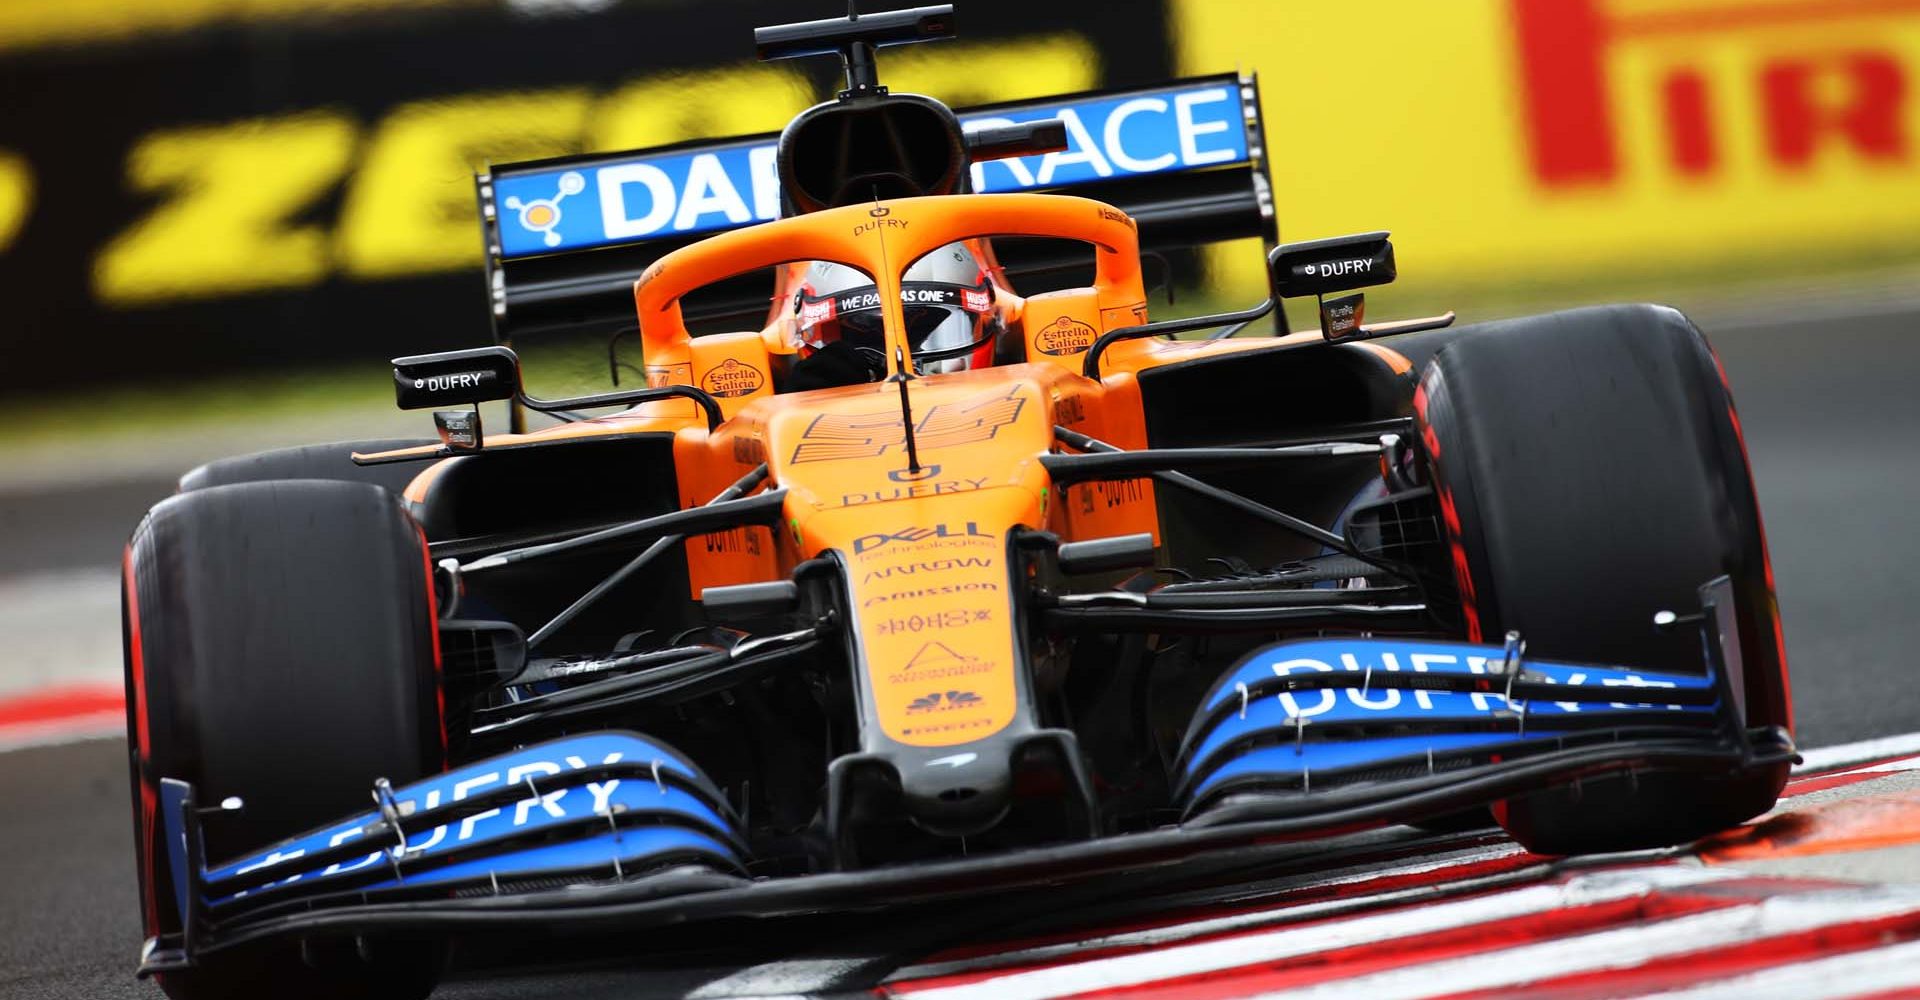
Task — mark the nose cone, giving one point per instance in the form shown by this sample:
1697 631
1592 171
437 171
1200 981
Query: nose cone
958 792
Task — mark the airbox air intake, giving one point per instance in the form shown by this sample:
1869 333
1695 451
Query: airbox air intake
866 148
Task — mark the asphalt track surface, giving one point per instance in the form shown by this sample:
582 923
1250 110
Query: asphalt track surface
1824 398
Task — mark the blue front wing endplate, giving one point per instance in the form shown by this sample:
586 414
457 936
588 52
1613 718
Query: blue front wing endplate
1306 714
612 804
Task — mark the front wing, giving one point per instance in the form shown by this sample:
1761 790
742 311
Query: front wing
1303 740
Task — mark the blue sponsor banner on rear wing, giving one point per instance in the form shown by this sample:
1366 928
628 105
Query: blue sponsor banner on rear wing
619 198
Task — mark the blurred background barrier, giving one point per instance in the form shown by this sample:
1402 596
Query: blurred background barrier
1557 141
192 186
189 186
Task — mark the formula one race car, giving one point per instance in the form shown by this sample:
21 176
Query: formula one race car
929 589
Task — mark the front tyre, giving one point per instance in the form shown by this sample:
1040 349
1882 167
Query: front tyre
280 647
1590 472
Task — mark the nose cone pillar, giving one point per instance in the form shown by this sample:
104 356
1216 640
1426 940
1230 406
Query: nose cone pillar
1011 789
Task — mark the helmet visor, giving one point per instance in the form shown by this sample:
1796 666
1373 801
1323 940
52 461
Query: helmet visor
945 323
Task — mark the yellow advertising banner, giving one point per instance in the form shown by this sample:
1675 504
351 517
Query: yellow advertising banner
1545 140
232 198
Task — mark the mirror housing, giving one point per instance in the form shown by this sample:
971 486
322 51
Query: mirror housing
1338 264
456 378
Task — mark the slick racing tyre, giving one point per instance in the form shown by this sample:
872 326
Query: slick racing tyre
313 461
280 648
1590 472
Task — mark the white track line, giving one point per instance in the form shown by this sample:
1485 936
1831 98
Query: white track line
1828 758
1277 912
1232 953
1854 974
1626 947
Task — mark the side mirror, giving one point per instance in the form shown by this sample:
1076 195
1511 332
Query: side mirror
456 378
1322 267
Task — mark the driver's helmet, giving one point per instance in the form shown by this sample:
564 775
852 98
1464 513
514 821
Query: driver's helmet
947 302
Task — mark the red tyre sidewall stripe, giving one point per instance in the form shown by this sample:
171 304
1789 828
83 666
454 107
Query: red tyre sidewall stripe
1450 514
136 657
1766 557
433 629
149 797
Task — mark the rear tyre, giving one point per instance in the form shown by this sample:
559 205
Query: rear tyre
312 461
280 647
1591 472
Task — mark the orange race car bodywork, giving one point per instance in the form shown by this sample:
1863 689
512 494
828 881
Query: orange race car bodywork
937 640
924 546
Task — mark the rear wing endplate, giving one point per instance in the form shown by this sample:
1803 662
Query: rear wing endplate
565 238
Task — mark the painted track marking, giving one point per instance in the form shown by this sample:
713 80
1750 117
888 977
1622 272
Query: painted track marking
66 714
1436 874
1821 759
1239 950
1626 947
1869 972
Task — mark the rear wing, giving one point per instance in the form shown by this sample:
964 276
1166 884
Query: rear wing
566 237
